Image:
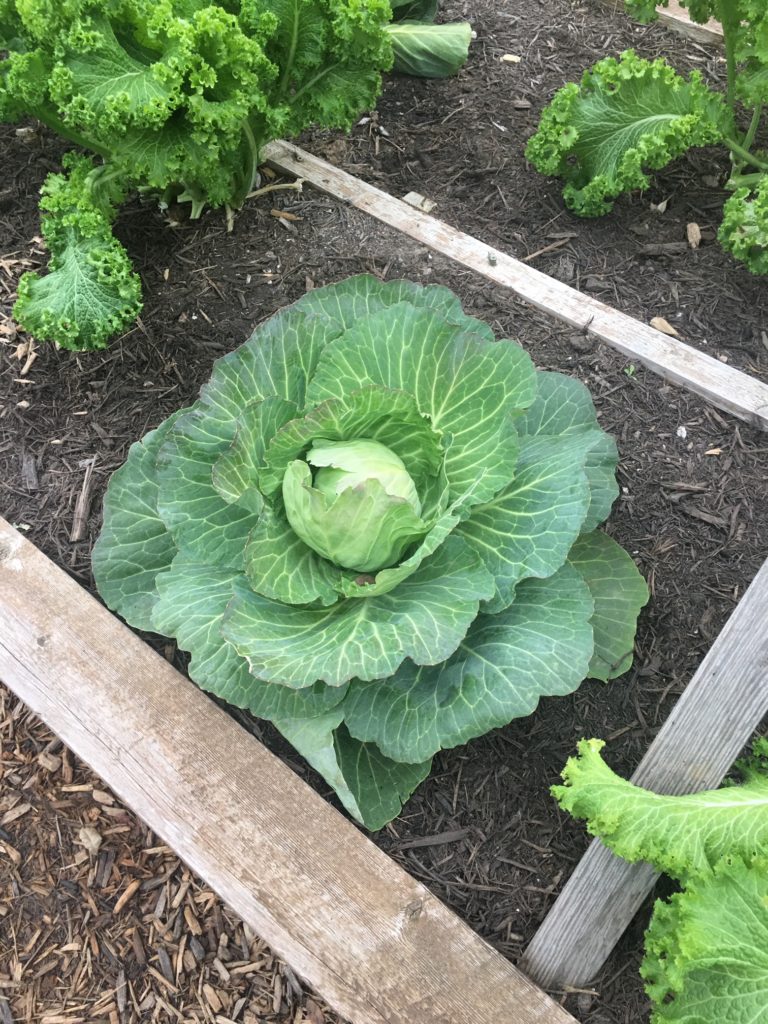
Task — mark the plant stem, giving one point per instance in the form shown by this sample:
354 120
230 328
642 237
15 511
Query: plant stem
52 121
749 138
745 156
743 181
729 19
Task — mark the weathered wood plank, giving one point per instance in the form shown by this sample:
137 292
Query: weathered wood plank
727 388
717 713
373 941
676 17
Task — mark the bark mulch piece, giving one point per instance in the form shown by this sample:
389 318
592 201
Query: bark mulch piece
101 922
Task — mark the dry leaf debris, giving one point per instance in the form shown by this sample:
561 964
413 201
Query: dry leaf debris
101 922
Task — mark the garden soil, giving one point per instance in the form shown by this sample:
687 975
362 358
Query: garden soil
482 832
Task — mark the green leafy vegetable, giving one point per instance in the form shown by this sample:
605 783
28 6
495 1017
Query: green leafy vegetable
744 230
377 529
430 51
681 835
175 97
631 116
422 48
706 950
627 115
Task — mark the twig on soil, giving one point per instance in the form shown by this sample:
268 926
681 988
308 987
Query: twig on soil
80 518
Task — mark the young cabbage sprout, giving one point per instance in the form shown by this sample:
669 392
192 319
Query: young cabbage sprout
361 510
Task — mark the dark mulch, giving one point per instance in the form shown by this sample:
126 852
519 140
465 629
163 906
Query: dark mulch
461 142
694 503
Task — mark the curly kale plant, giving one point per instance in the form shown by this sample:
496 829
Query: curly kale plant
377 529
631 116
706 950
175 97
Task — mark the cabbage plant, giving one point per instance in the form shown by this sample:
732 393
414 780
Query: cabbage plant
376 528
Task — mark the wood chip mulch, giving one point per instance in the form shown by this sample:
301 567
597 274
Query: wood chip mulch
101 922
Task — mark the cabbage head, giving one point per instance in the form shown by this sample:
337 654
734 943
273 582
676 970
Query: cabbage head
376 528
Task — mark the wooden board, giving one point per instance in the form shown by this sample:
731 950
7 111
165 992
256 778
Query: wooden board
373 941
727 388
676 17
716 715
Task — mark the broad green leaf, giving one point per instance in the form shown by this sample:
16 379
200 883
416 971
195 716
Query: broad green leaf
539 646
414 10
425 619
706 951
530 526
134 545
374 413
115 86
282 567
314 740
235 474
370 786
330 62
684 836
626 117
192 601
470 388
564 407
380 786
356 297
429 51
276 362
619 592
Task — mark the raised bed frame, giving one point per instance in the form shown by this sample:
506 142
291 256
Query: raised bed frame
378 946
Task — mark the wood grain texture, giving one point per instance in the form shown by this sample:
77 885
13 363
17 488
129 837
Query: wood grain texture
717 713
374 942
676 18
727 388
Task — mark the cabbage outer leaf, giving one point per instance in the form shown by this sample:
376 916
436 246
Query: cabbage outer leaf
619 592
370 786
684 836
134 545
706 951
276 363
191 605
235 474
530 526
627 116
429 51
539 646
564 407
426 619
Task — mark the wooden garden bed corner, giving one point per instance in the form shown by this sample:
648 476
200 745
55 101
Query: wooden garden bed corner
374 942
717 713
